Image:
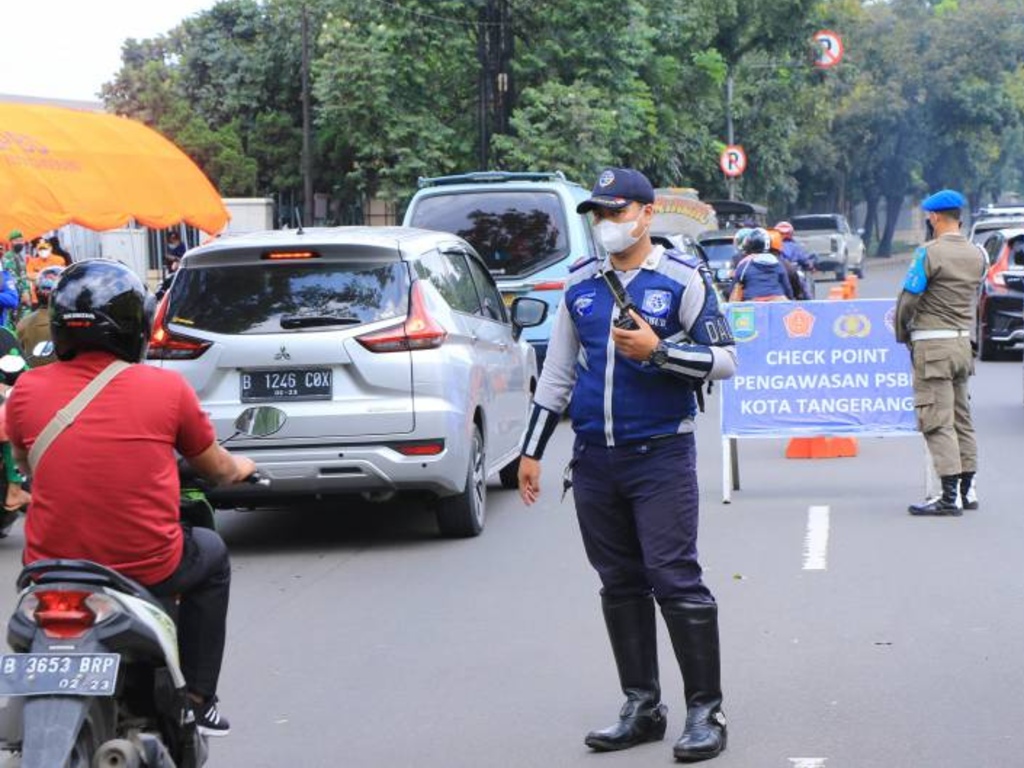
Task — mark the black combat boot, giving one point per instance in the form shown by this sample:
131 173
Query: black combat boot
968 491
633 634
693 628
948 504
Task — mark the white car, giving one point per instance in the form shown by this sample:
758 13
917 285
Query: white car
838 248
390 350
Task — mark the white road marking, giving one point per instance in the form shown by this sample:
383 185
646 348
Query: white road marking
808 762
816 548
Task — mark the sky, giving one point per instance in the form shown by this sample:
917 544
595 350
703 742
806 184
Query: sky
67 49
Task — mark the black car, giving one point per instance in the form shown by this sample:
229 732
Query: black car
1000 318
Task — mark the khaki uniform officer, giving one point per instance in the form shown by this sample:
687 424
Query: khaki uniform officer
934 314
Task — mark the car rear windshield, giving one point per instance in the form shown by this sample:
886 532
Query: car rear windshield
720 251
273 297
516 233
807 223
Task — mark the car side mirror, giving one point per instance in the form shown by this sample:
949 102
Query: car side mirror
527 312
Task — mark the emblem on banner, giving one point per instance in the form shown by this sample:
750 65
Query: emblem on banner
890 320
852 325
742 321
799 323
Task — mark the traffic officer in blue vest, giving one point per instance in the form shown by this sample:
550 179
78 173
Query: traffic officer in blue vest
633 378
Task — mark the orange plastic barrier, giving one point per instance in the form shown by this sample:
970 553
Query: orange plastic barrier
821 447
827 447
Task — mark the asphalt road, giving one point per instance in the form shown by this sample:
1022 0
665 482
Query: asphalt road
359 638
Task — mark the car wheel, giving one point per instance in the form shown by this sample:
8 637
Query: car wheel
841 272
509 475
462 516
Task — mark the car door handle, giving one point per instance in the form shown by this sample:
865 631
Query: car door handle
503 346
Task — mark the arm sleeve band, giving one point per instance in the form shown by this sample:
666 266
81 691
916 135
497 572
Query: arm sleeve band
538 431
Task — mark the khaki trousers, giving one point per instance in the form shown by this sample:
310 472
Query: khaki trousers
941 401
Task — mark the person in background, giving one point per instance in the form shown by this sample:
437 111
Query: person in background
175 248
35 263
633 379
760 275
60 250
34 328
934 315
14 265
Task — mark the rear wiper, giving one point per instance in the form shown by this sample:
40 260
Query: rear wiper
311 321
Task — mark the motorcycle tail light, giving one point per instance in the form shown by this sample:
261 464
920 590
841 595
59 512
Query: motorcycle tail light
63 614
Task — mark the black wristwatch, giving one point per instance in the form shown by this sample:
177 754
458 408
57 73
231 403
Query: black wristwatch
659 356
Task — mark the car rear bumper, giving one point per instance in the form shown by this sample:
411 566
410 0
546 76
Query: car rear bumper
329 466
1004 319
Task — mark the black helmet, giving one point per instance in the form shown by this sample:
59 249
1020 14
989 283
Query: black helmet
758 241
100 304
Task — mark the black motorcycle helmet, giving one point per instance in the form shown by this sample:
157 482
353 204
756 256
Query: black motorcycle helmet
101 305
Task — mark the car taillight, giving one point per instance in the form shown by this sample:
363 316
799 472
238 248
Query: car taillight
164 344
417 331
424 448
63 614
550 285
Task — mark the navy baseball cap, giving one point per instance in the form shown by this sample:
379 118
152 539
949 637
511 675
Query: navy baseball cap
944 200
616 188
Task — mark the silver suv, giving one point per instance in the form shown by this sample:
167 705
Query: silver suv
390 349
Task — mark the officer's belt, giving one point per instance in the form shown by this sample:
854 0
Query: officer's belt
938 333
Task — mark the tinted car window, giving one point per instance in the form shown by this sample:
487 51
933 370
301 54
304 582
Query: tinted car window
515 233
492 307
720 251
256 298
449 274
807 223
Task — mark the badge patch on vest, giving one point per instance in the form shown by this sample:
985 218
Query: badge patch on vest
657 303
583 304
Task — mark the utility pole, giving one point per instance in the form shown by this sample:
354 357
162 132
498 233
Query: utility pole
730 137
494 52
307 155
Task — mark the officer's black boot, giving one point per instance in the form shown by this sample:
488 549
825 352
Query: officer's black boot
693 628
633 634
946 504
968 491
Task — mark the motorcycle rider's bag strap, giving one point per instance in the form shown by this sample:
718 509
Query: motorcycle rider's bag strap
66 415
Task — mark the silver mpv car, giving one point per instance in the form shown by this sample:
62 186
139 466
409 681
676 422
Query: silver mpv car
390 349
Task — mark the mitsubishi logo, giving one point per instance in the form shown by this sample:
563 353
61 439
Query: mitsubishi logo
283 354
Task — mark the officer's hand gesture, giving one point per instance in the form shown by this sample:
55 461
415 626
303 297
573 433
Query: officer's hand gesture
636 345
529 479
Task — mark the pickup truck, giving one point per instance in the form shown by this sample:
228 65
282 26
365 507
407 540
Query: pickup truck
828 236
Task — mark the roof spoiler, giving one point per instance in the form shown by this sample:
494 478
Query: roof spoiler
480 177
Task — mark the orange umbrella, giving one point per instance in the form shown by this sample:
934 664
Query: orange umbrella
60 166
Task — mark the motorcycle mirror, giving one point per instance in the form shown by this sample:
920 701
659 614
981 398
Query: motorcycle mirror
43 349
260 421
11 363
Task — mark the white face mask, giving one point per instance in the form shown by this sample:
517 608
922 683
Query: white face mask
615 236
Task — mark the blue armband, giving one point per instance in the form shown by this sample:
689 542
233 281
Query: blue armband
917 279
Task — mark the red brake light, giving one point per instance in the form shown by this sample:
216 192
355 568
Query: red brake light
64 614
417 331
167 345
290 255
428 448
550 285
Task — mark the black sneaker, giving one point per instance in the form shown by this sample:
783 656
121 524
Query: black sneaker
209 720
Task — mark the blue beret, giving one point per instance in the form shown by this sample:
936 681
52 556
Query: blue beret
944 200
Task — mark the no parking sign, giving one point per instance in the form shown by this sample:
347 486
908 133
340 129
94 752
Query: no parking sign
733 161
831 45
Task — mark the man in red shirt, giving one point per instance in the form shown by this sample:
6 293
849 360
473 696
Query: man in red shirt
107 489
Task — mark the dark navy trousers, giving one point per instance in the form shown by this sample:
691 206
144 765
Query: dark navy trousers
638 512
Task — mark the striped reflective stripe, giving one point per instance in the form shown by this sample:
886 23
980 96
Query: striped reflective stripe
538 431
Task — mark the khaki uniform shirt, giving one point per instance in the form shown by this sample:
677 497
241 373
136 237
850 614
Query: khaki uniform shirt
941 288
